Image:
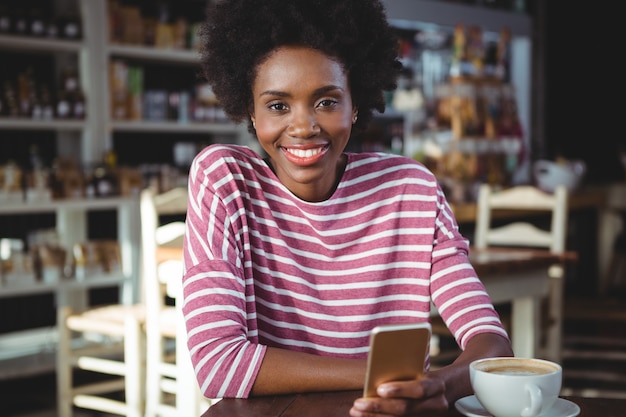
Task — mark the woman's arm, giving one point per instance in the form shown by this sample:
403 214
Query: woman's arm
456 375
284 371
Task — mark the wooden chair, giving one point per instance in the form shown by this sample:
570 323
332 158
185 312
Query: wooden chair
107 344
100 356
526 198
171 386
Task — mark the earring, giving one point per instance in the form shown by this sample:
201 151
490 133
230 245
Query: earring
354 119
254 124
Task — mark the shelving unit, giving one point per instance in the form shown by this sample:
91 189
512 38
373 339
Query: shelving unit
98 40
93 53
32 351
474 123
41 46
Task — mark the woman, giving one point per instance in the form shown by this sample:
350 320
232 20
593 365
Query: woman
292 259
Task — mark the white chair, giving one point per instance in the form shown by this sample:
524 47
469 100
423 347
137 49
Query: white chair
527 198
109 351
171 386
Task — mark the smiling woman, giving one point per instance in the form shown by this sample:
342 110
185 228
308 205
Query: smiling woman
291 260
303 115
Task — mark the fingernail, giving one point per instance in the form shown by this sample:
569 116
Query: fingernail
385 390
361 404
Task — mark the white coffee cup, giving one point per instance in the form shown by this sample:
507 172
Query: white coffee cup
516 387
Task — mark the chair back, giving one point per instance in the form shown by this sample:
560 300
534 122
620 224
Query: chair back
517 233
168 371
156 236
526 234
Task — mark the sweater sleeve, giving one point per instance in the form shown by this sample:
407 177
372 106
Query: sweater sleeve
456 290
224 351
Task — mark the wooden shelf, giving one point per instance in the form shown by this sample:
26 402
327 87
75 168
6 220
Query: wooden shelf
154 54
39 44
65 204
31 287
174 127
25 123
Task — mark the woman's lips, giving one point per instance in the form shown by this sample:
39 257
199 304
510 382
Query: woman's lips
304 157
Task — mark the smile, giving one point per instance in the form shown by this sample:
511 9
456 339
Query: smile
304 156
304 153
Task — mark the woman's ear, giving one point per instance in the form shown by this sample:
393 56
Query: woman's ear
253 120
355 114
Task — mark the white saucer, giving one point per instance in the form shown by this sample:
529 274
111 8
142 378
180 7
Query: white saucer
471 407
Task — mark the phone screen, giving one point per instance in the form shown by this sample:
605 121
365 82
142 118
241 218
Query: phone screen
397 352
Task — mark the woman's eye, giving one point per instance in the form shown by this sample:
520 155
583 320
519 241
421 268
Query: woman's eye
277 106
327 102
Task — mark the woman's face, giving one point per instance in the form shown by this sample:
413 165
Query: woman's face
303 115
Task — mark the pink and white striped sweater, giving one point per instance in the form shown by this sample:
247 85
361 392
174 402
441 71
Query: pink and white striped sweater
264 268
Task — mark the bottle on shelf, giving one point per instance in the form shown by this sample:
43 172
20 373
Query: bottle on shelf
20 21
36 181
9 95
52 28
70 97
47 106
104 181
164 28
37 23
78 106
63 106
6 20
25 91
70 27
11 182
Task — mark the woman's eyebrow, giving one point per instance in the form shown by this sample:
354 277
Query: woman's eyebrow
318 91
274 93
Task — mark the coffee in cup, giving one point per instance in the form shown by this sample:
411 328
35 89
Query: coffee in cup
515 387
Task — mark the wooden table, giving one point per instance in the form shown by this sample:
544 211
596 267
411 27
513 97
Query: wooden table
337 404
519 277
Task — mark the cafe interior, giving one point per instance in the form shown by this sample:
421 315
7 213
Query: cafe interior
101 113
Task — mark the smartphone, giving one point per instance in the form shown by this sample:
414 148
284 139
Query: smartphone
397 352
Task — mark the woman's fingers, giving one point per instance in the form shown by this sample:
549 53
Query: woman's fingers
404 398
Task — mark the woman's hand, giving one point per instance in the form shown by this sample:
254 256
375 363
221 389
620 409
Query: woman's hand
420 397
438 389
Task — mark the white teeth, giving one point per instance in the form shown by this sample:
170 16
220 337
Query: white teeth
304 153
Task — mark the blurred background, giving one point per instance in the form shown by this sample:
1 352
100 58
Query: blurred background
102 98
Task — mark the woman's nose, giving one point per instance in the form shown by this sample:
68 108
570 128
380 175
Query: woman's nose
303 124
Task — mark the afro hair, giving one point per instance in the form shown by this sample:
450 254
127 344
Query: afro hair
238 34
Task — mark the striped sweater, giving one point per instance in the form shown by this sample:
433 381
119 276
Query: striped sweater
264 268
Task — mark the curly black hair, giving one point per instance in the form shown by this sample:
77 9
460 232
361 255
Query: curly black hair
238 34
